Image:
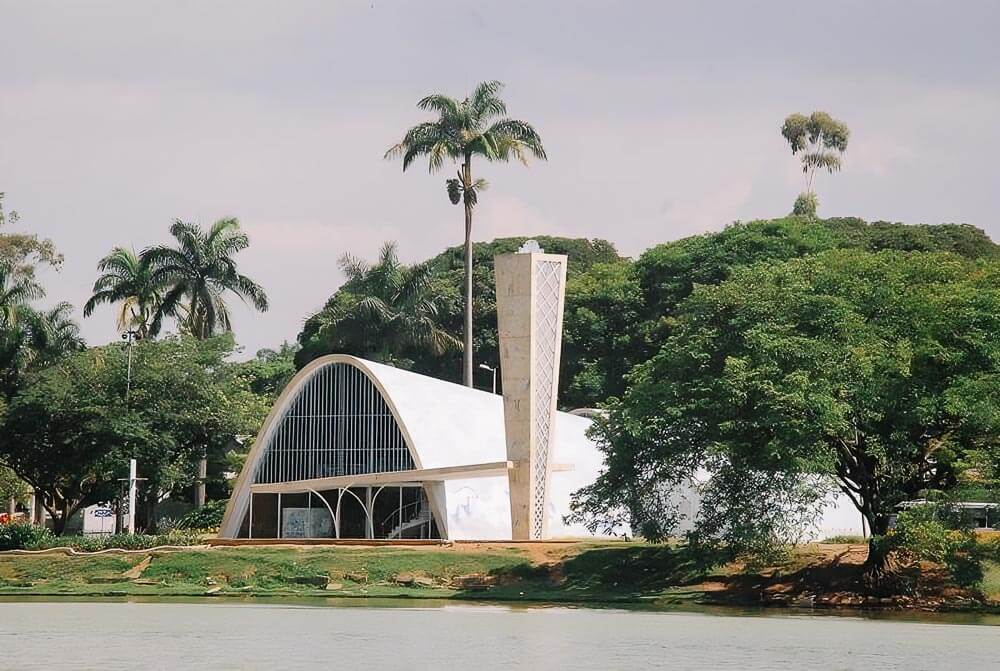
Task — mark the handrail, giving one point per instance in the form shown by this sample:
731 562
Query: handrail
398 511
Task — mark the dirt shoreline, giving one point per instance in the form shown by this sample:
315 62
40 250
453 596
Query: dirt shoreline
819 576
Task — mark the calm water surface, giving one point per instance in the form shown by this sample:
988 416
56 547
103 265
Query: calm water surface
233 635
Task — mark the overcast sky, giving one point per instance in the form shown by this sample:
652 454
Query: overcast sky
660 119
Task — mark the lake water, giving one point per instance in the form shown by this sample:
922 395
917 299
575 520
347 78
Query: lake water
446 636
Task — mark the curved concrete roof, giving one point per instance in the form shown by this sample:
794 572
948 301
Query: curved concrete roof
445 424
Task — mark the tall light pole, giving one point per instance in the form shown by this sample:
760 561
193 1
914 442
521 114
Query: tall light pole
492 370
131 337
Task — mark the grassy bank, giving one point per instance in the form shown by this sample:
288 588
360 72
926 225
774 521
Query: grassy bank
580 572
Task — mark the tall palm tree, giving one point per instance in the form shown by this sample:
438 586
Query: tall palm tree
126 279
16 291
388 310
196 275
475 126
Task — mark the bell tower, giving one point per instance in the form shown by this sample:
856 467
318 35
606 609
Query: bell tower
530 288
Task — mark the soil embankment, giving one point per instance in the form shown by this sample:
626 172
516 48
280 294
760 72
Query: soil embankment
816 576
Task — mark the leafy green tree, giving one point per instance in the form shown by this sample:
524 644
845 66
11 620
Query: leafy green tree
819 141
447 270
475 126
197 274
69 431
23 252
669 272
388 311
877 372
270 370
603 308
11 488
126 279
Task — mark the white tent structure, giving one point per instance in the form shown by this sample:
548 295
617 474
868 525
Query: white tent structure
357 449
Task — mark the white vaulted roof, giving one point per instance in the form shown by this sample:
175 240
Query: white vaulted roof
449 424
454 425
445 424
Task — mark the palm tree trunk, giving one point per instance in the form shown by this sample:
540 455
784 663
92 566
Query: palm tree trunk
467 353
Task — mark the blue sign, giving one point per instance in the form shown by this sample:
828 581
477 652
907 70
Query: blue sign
104 512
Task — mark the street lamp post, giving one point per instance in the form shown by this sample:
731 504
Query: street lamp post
492 370
131 337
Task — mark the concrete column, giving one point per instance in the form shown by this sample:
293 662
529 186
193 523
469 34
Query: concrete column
530 288
11 506
199 485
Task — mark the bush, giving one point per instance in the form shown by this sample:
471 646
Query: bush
208 517
98 542
929 533
845 540
22 535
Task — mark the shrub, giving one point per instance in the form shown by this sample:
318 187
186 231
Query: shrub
98 542
22 535
207 517
929 533
845 540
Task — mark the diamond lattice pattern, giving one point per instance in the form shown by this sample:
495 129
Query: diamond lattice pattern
548 278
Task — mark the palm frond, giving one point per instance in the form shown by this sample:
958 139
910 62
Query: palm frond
439 103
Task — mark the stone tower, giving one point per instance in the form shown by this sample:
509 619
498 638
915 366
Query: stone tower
531 288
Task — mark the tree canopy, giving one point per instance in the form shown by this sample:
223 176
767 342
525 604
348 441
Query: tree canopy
446 278
876 373
126 279
69 431
196 275
24 252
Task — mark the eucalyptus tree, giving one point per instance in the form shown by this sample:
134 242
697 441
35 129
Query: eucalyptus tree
389 310
819 141
126 279
196 275
24 251
474 126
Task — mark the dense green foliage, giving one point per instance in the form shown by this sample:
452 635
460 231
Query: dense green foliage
208 516
27 536
69 430
387 311
11 487
22 535
446 271
270 370
618 312
99 542
879 372
937 534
